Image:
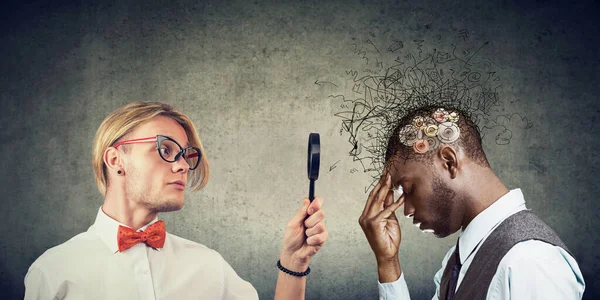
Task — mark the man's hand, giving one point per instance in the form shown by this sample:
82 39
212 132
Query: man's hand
381 227
305 234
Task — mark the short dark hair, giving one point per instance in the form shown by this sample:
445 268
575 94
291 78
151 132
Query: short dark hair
469 139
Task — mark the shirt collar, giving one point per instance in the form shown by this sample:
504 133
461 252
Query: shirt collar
107 228
487 220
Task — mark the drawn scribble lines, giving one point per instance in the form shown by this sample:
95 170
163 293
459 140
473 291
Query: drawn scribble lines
317 82
413 73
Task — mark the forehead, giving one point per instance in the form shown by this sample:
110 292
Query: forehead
163 126
399 168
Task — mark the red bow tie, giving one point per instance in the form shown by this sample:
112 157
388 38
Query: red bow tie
153 236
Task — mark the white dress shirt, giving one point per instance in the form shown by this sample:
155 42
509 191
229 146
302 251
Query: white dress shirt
529 270
89 266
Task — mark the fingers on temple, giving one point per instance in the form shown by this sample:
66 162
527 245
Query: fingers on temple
388 211
377 199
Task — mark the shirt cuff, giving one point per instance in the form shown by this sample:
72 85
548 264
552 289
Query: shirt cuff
393 290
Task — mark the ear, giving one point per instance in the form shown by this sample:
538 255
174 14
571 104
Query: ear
112 160
450 160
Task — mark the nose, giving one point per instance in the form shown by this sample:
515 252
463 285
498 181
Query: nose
180 165
409 209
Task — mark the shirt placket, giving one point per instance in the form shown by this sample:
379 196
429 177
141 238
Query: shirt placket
141 269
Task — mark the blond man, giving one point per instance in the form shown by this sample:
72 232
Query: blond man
145 156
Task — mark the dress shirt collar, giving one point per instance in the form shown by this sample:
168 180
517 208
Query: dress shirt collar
107 228
487 220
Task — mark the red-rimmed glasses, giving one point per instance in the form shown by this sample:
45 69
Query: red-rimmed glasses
169 150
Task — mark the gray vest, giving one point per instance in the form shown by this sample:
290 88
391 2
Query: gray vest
522 226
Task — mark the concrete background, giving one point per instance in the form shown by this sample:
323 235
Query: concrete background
245 72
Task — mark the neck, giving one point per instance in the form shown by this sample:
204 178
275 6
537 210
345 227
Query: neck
488 190
126 211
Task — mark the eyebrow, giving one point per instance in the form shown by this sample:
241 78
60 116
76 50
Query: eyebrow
187 145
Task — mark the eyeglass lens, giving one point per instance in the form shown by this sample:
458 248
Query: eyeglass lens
169 151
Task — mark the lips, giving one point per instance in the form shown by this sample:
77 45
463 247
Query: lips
178 182
425 230
417 224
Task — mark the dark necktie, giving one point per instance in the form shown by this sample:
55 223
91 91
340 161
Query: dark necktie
455 272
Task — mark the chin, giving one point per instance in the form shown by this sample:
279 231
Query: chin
167 206
442 232
440 235
177 206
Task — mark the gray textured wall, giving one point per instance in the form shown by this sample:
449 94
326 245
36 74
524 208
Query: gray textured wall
245 73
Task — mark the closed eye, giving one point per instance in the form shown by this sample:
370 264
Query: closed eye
398 191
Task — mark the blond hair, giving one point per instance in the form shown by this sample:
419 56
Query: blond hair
125 119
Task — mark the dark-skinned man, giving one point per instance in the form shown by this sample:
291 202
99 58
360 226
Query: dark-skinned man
434 158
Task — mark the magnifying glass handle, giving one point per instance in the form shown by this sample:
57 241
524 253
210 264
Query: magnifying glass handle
311 191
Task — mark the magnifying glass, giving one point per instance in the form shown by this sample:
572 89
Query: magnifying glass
313 163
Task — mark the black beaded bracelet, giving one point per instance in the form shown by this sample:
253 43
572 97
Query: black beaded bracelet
298 274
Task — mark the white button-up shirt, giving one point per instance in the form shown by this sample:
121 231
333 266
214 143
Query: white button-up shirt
529 270
89 266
